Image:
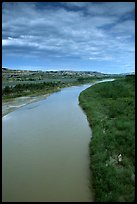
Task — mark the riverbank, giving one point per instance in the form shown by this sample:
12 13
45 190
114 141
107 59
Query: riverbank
110 110
22 94
18 102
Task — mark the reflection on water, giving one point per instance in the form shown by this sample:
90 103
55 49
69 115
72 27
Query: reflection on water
45 150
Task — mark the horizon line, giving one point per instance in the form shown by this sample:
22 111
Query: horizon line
69 70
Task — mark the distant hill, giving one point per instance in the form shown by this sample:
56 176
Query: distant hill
68 72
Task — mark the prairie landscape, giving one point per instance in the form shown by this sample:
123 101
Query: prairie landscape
68 101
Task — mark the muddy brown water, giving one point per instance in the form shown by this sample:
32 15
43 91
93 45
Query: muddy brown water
45 150
45 155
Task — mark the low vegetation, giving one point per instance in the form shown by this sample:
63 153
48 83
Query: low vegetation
110 108
40 88
31 89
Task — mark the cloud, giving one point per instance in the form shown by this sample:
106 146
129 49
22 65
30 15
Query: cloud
101 58
127 26
83 30
75 4
111 8
103 8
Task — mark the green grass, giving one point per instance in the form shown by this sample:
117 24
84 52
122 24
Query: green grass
110 108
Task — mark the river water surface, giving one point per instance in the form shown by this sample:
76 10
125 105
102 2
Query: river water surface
45 154
45 150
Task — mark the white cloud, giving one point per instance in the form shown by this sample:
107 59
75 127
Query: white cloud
9 38
18 42
92 30
101 58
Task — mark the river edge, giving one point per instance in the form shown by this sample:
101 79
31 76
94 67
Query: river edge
18 102
13 104
88 98
91 187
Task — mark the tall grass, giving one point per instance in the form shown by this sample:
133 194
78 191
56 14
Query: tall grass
110 108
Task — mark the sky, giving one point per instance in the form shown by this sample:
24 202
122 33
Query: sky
79 36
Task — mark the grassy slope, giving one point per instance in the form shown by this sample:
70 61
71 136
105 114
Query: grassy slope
110 110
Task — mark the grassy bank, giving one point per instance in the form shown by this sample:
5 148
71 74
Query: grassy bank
110 110
30 89
21 94
39 87
36 89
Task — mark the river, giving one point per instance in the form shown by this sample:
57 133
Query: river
45 150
